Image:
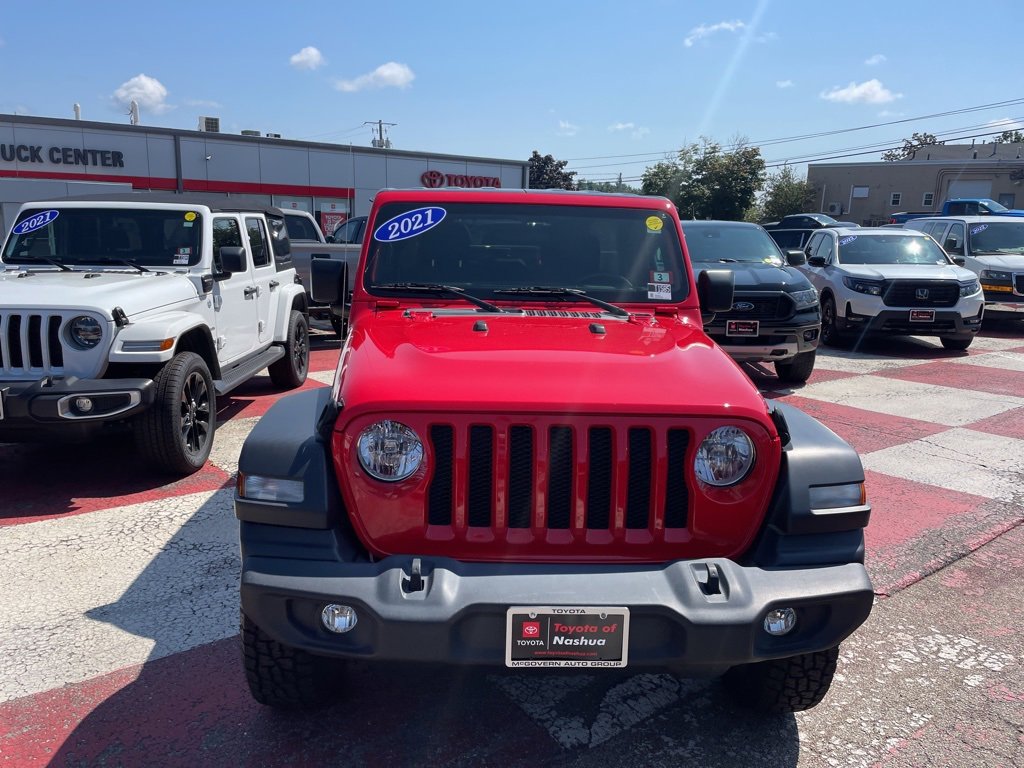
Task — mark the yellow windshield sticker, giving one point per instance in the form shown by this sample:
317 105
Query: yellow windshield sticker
653 224
190 216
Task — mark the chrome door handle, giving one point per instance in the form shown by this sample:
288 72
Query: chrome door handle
274 284
251 291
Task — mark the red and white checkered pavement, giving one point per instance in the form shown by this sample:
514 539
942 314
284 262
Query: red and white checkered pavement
119 591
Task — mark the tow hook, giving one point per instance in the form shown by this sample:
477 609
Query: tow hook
414 582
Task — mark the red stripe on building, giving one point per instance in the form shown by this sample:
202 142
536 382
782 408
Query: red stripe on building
190 185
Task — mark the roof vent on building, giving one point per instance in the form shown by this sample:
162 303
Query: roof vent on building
273 135
209 124
250 133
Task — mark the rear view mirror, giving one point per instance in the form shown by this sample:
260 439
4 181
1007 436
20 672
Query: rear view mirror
959 260
795 257
715 290
816 261
329 280
232 259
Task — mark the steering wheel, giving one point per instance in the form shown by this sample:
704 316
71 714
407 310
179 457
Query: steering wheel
606 278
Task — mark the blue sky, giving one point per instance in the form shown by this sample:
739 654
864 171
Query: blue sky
620 82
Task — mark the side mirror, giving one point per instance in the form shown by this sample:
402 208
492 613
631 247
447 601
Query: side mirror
959 260
816 261
232 259
795 257
951 247
715 292
328 238
329 281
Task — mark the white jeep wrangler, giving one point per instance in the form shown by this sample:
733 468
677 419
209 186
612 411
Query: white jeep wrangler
135 311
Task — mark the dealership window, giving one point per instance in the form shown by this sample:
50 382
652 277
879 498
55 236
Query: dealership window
928 200
895 198
859 192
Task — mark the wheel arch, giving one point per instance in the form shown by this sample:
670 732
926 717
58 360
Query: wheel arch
200 341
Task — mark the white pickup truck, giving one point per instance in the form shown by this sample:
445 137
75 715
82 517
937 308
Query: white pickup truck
134 312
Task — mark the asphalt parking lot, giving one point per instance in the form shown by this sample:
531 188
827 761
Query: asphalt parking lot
118 627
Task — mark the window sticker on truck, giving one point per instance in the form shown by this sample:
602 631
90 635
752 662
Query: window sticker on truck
661 277
847 240
979 228
654 224
38 221
659 291
409 224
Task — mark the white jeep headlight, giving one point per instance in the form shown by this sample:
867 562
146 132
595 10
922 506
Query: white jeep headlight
85 332
724 457
389 450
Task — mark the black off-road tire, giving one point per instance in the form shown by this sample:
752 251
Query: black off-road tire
957 342
290 371
792 684
283 677
797 369
175 434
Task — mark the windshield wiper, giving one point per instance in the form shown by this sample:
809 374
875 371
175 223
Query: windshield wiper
126 262
438 288
545 290
44 260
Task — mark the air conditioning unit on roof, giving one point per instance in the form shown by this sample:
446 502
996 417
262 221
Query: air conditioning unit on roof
835 209
250 133
209 124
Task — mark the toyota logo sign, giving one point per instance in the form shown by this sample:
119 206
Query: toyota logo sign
432 179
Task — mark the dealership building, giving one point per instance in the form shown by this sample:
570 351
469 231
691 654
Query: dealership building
43 158
869 193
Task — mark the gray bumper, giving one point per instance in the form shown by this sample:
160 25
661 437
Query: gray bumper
459 616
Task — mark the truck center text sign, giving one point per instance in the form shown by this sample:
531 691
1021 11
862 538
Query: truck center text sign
30 153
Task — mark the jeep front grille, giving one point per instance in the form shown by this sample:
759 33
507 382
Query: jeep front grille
30 343
558 477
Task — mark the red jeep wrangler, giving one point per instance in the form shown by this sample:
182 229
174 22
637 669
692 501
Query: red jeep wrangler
533 456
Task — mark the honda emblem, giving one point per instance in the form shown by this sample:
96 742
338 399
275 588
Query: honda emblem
921 293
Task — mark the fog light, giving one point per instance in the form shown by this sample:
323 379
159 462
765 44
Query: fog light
780 621
83 404
811 335
338 618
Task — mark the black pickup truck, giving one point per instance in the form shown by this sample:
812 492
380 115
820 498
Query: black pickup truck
775 315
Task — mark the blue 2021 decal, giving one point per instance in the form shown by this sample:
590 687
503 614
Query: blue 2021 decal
409 224
38 221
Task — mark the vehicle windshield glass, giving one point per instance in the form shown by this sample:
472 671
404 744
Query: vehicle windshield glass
890 249
620 255
710 243
997 237
996 207
145 236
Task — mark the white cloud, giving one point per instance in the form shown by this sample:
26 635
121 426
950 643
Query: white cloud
619 127
872 61
565 128
308 58
148 92
868 92
783 83
203 103
706 30
390 75
1005 124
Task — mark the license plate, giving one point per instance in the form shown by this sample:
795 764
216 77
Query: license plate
549 636
922 315
741 327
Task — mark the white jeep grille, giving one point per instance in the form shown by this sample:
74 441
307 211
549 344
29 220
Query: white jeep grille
30 343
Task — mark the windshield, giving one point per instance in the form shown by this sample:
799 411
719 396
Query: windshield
997 237
730 243
148 237
616 254
890 249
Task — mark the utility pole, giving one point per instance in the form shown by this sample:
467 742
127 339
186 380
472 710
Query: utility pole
380 142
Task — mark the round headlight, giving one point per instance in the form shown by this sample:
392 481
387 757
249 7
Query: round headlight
389 450
724 457
85 331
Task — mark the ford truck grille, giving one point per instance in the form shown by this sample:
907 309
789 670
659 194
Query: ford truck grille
921 293
757 307
30 344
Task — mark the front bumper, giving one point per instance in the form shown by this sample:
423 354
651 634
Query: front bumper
48 407
459 615
773 342
897 321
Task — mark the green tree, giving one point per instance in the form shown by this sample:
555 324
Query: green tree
548 173
607 186
784 194
720 184
910 146
664 178
1010 137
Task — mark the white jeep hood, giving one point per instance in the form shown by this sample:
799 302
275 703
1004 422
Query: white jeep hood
134 292
908 272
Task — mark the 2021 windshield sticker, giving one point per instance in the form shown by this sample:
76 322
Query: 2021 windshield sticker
38 221
979 228
409 224
847 240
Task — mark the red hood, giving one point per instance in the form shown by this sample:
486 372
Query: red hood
422 361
